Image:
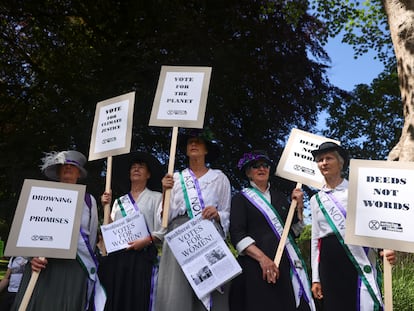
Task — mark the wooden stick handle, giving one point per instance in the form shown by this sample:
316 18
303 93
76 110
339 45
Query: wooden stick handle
29 289
107 207
286 229
167 194
388 304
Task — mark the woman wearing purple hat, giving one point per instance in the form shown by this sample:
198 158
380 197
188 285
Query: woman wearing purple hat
67 284
337 276
257 217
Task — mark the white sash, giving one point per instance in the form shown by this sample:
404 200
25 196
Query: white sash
300 280
370 297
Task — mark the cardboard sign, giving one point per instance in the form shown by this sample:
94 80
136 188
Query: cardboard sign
181 97
112 127
297 163
47 220
117 234
381 205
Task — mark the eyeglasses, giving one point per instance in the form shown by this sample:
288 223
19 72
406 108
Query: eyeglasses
259 165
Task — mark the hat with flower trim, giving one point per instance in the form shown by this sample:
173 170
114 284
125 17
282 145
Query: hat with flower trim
52 160
249 158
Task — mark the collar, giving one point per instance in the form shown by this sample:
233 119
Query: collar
342 186
253 184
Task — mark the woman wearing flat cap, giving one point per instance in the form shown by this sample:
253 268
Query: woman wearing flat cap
67 284
206 191
129 275
257 217
344 276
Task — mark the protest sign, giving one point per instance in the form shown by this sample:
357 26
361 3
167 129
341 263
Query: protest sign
112 127
181 97
203 256
297 163
47 220
180 101
117 234
381 205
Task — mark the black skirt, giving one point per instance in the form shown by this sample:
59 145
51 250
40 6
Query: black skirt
338 276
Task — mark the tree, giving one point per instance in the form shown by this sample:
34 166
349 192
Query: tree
380 24
59 58
368 119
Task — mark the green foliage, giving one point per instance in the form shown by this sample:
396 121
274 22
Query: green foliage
403 282
363 25
59 58
369 119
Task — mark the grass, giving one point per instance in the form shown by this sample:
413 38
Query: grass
403 282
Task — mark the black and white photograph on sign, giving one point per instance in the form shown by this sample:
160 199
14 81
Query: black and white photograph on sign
381 205
215 255
47 220
112 127
181 97
203 274
297 163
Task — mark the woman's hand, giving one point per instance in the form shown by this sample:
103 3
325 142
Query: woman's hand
38 263
317 290
270 271
210 212
390 255
167 182
106 198
297 194
139 244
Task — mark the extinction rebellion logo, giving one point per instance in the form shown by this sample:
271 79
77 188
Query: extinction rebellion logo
385 225
42 238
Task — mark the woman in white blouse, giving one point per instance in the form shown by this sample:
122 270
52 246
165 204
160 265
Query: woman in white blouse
196 190
337 276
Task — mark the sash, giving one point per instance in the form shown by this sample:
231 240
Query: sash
87 259
299 275
369 297
195 204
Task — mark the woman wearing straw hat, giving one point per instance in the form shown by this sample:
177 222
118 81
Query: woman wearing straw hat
129 275
206 192
257 217
336 273
67 284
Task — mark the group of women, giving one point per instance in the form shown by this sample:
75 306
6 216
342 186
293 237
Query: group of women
133 278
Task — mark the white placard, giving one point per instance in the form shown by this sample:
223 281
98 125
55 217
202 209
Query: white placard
203 256
112 127
381 205
297 163
47 220
181 97
117 234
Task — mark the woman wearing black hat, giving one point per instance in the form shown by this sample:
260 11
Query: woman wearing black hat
337 276
196 190
257 217
128 275
67 284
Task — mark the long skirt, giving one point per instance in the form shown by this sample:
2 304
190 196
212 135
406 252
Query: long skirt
62 286
174 292
128 279
339 278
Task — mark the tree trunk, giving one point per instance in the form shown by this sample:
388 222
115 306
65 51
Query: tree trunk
400 15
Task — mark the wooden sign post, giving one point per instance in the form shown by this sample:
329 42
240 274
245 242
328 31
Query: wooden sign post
180 101
297 164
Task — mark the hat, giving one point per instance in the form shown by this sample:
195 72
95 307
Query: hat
52 160
213 149
121 166
249 158
331 146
